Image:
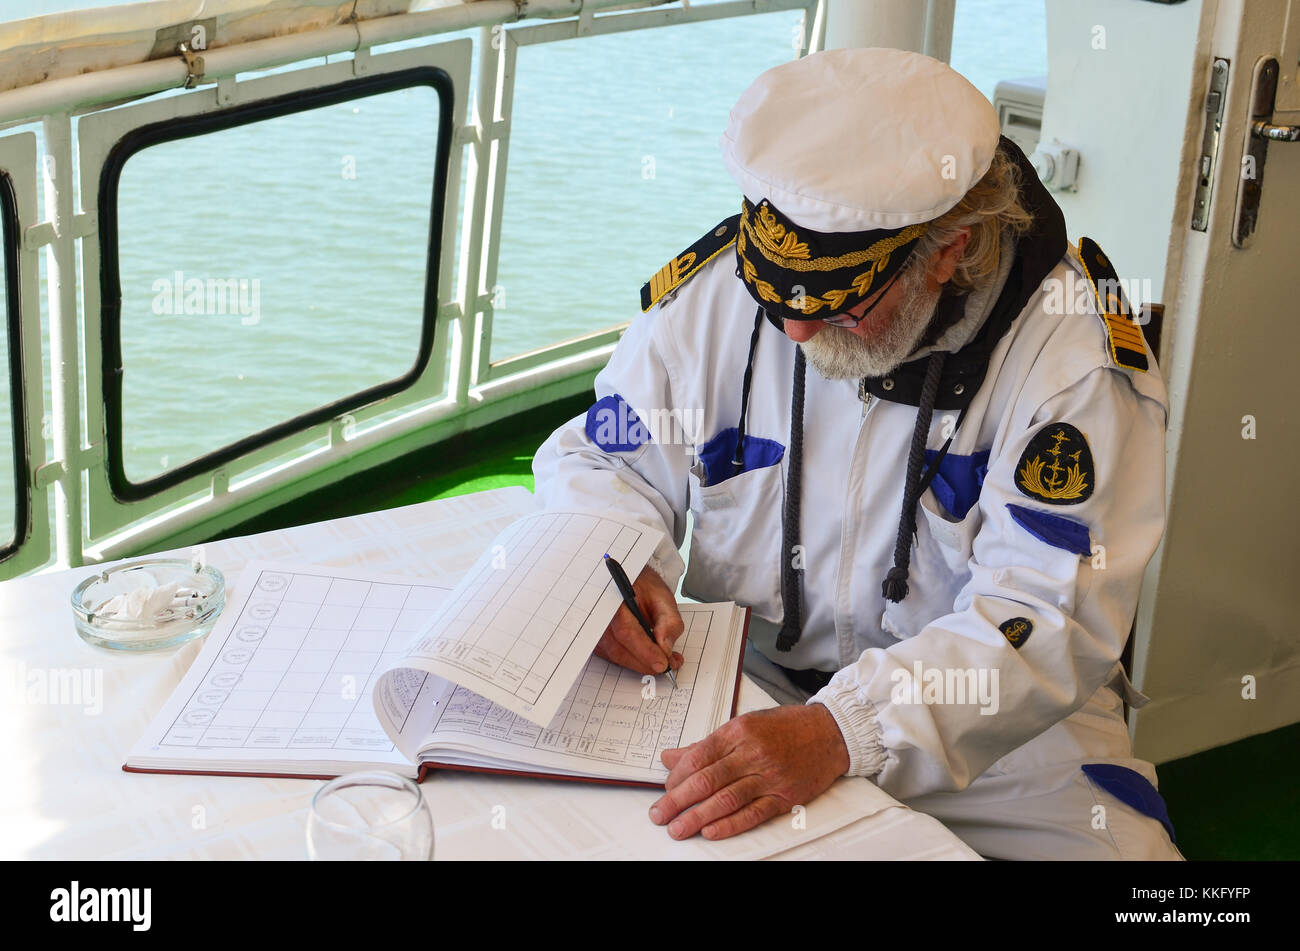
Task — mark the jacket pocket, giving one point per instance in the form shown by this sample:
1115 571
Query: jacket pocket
939 568
735 548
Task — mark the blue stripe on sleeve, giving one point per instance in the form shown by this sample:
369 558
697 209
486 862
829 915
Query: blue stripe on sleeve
1056 530
614 426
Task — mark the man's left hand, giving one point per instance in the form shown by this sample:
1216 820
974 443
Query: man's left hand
750 769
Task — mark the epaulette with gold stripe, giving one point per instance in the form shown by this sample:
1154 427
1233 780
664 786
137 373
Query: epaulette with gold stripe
681 268
1122 331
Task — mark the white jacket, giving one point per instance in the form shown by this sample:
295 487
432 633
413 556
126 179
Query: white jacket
972 570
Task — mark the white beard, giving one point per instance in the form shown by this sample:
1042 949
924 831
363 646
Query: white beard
837 353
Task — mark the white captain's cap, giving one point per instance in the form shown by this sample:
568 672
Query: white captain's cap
854 140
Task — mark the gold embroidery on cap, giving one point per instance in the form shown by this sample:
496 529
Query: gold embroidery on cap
809 303
750 274
772 236
784 249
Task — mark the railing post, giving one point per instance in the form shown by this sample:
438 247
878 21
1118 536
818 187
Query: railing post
65 362
924 26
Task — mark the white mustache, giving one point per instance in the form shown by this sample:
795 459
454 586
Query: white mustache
837 353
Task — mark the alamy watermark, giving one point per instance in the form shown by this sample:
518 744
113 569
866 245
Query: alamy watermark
946 685
54 686
80 903
624 425
1071 295
209 297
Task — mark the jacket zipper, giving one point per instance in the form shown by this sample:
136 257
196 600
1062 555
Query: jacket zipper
845 632
864 396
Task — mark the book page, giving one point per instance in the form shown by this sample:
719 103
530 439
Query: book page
614 722
286 675
587 821
521 625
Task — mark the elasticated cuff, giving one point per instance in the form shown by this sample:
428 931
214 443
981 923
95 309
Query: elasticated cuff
856 717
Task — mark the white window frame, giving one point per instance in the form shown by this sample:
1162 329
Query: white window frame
225 488
18 161
496 86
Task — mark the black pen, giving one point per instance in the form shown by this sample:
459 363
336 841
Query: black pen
629 598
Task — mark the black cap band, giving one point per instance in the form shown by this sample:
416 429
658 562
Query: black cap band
798 274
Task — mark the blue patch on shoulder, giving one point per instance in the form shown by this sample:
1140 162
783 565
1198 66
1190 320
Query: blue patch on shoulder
1133 789
614 426
957 483
1056 530
718 453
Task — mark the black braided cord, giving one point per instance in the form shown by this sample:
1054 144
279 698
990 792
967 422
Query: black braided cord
894 587
738 463
791 587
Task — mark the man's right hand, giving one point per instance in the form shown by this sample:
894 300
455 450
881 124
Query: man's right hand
625 642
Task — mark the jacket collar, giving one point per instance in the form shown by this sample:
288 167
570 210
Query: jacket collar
1037 252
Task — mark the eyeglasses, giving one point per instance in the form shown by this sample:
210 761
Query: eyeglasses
847 320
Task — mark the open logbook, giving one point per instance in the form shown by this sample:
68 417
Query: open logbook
315 671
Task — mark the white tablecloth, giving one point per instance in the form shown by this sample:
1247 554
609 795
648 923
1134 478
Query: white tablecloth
71 711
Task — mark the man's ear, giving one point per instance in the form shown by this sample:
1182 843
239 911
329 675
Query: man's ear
944 264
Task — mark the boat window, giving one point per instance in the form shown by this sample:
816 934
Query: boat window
608 180
13 492
276 265
1019 50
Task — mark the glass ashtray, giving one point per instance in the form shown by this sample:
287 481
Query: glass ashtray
148 605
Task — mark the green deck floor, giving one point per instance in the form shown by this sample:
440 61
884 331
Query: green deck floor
1240 801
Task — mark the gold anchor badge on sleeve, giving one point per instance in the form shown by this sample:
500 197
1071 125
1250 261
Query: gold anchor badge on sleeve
1017 630
1056 467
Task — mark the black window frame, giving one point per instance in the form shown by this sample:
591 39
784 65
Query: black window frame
17 395
170 130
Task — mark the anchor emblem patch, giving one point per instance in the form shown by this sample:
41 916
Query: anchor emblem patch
1017 630
1056 467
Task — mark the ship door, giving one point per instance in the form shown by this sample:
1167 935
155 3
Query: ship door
1223 658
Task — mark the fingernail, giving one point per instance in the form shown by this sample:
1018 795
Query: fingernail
656 816
677 828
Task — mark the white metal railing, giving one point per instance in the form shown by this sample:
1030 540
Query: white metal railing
462 389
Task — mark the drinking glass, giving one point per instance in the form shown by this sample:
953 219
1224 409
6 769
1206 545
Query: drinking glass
375 816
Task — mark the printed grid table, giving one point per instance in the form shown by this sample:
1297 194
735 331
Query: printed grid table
609 715
549 608
299 665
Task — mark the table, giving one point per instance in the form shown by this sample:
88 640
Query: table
72 711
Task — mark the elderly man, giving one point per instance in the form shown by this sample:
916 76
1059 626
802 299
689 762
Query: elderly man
941 527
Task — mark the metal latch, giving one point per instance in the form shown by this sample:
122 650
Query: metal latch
1214 104
193 65
1262 132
